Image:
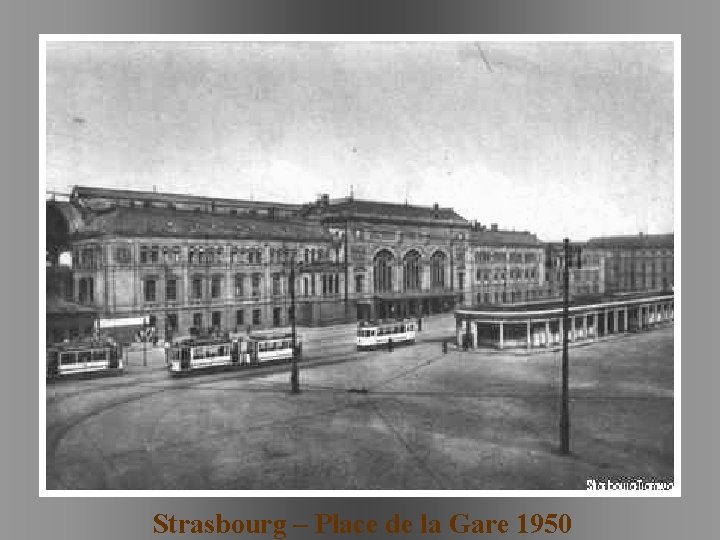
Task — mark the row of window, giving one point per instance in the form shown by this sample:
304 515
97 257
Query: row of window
504 297
503 256
171 321
153 254
528 273
642 267
330 285
196 287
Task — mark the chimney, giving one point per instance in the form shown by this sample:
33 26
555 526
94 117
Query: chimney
325 199
494 227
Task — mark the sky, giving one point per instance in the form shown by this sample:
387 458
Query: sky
561 139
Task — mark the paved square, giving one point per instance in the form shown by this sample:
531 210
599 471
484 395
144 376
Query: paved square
410 419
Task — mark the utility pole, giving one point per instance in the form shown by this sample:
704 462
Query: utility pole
345 257
565 413
144 336
294 380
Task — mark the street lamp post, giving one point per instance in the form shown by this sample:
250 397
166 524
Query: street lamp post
565 413
294 378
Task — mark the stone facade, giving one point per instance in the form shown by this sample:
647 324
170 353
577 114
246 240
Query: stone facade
191 262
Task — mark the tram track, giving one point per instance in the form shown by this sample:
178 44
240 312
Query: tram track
373 395
57 433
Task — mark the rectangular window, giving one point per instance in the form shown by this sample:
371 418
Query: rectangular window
155 255
256 317
239 318
149 290
197 320
215 287
359 283
276 284
171 322
256 285
216 319
197 289
143 254
171 290
277 315
239 284
461 280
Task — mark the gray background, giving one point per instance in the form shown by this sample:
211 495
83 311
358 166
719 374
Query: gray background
80 518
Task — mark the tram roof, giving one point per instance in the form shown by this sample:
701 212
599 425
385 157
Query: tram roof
73 346
271 336
383 322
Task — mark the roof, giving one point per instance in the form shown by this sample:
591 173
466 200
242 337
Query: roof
553 306
366 208
135 222
84 192
632 241
504 238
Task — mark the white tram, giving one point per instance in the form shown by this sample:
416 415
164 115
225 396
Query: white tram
84 357
187 355
272 347
371 335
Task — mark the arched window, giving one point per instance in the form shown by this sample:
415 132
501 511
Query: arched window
382 271
411 271
437 269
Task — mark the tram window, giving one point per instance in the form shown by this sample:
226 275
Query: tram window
84 356
98 355
67 358
397 330
402 328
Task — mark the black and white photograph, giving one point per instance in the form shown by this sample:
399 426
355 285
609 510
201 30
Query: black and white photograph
401 266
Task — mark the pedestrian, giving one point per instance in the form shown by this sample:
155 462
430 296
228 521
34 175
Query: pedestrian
444 346
390 345
419 324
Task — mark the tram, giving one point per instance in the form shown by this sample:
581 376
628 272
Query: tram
94 356
273 347
194 354
371 335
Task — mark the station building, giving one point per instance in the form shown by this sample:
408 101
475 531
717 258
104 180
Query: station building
189 262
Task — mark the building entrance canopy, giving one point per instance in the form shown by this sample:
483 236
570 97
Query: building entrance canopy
541 323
